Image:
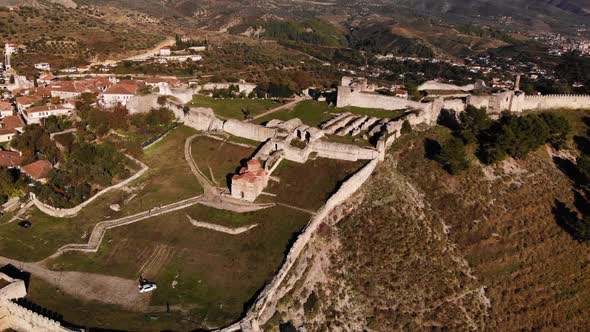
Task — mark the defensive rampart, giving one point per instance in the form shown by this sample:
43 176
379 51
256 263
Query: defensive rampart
248 130
555 102
259 313
72 212
348 96
19 318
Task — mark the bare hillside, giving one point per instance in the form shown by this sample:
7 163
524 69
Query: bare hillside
425 250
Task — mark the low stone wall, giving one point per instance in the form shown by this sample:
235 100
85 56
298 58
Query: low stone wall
71 212
258 314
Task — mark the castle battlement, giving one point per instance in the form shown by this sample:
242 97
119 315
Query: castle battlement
557 96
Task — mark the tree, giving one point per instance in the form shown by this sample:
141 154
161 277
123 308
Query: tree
473 121
11 79
186 109
452 156
406 127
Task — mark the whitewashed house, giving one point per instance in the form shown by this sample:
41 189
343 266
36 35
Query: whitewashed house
35 114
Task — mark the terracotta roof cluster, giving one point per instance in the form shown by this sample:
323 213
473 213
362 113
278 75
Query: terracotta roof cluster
38 170
252 173
91 85
10 159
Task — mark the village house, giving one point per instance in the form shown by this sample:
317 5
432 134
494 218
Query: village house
35 114
6 108
42 66
119 93
38 170
73 89
165 51
250 181
46 79
157 82
9 127
24 102
10 159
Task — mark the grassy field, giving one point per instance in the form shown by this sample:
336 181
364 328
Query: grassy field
232 108
209 274
169 179
309 185
312 113
218 159
93 314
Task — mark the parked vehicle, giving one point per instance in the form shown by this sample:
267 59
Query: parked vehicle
25 224
147 287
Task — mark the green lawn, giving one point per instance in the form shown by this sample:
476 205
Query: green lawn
218 159
309 185
312 113
169 179
95 314
232 108
215 273
378 113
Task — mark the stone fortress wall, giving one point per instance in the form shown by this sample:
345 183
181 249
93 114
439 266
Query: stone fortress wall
19 318
356 92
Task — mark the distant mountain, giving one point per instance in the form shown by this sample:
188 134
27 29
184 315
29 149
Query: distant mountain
553 13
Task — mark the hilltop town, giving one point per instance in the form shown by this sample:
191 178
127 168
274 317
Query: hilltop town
285 174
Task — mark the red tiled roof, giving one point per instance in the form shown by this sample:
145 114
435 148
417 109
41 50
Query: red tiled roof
122 88
81 86
10 159
48 77
46 108
38 170
28 100
5 106
12 122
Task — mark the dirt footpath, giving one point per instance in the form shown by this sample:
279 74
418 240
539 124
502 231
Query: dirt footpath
89 286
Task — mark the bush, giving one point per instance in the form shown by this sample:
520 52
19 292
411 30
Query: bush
517 136
473 122
452 156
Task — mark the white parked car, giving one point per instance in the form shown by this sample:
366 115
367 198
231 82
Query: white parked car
147 287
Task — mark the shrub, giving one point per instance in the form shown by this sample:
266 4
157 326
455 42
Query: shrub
452 156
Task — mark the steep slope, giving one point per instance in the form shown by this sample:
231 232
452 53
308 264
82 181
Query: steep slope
425 250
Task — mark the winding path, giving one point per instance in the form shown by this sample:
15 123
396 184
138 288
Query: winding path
286 106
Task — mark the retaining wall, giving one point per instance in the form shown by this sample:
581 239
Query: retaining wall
71 212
